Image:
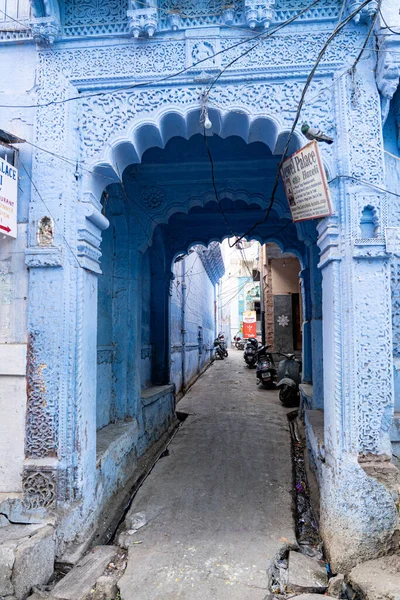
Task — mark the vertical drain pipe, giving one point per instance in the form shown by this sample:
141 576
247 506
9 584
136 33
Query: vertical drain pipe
183 324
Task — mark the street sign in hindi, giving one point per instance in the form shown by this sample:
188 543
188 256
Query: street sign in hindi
8 199
305 184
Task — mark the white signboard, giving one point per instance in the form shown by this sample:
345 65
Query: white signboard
8 199
305 184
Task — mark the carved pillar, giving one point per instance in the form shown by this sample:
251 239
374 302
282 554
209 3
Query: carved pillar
316 328
63 260
48 470
358 514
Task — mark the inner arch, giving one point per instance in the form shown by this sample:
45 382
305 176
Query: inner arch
182 192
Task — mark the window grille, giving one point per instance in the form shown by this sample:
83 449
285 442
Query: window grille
12 11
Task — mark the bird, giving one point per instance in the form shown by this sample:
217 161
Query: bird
312 133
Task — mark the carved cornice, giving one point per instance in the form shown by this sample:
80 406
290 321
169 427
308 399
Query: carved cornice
212 260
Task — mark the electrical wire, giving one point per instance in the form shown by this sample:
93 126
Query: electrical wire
166 77
213 181
236 294
70 161
277 28
370 30
387 26
367 183
335 32
26 26
49 212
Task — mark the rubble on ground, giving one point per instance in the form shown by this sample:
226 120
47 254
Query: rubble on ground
26 557
335 586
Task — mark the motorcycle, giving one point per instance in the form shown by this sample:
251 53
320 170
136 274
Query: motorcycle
289 378
238 342
250 353
265 368
222 343
219 351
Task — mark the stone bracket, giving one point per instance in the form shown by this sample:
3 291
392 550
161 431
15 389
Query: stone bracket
143 18
45 30
37 256
91 224
259 14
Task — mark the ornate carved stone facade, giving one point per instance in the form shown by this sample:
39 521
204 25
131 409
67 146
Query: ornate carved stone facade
121 82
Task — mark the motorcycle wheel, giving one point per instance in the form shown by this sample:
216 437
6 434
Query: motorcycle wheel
267 385
226 353
288 396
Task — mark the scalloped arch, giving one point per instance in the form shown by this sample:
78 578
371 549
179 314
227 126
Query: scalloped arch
157 129
184 241
185 207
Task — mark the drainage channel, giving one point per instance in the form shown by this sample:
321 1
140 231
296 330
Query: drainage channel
108 535
181 416
309 542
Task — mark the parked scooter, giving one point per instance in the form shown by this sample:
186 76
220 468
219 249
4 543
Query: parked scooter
238 342
219 351
265 368
222 343
289 378
250 353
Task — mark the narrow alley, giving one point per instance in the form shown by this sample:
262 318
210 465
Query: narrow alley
218 507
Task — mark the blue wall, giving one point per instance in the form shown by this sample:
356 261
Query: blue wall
192 309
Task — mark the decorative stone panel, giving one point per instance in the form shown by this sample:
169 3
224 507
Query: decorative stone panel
41 417
374 352
39 488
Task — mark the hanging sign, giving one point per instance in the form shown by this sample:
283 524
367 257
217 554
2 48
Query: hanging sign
305 183
249 324
8 199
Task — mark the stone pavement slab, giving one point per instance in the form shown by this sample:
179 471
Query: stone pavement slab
81 579
219 506
377 579
313 597
306 574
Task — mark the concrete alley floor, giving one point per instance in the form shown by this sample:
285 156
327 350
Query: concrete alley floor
219 506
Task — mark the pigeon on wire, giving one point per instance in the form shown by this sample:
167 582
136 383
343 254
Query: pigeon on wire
312 133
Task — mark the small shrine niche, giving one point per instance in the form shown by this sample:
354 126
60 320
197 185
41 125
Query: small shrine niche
45 233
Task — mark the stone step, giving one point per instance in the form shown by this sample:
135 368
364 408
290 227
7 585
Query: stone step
81 579
306 574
